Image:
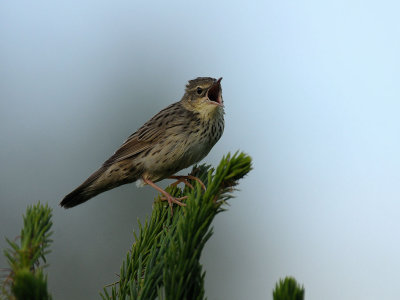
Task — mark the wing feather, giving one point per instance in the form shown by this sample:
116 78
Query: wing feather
145 137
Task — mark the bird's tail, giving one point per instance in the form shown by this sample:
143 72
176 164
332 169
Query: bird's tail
104 179
85 191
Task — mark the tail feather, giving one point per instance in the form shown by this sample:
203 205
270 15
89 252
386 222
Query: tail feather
104 179
74 198
84 192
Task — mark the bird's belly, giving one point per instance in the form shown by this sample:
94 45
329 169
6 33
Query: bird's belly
173 159
196 153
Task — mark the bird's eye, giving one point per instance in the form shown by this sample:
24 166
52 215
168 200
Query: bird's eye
199 90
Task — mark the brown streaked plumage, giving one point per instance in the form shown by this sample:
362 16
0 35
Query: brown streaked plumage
177 137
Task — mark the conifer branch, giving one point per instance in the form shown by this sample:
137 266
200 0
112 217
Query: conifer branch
26 279
164 261
288 289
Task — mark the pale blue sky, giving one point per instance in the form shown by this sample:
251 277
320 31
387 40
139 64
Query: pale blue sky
311 90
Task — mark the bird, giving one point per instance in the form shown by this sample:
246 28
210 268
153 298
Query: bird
177 137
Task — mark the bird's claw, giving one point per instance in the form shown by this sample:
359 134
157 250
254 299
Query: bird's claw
184 181
171 200
181 178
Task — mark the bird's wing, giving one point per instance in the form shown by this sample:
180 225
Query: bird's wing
145 137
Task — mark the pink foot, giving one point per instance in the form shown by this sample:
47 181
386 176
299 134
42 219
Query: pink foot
181 178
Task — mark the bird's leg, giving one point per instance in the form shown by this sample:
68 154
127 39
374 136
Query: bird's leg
181 178
167 196
179 199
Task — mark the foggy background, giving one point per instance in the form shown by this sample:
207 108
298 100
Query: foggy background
311 90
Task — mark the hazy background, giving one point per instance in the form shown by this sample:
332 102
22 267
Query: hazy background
311 90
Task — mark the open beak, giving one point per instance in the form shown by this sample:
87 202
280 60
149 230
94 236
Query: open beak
214 93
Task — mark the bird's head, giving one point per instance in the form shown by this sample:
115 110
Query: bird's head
203 94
